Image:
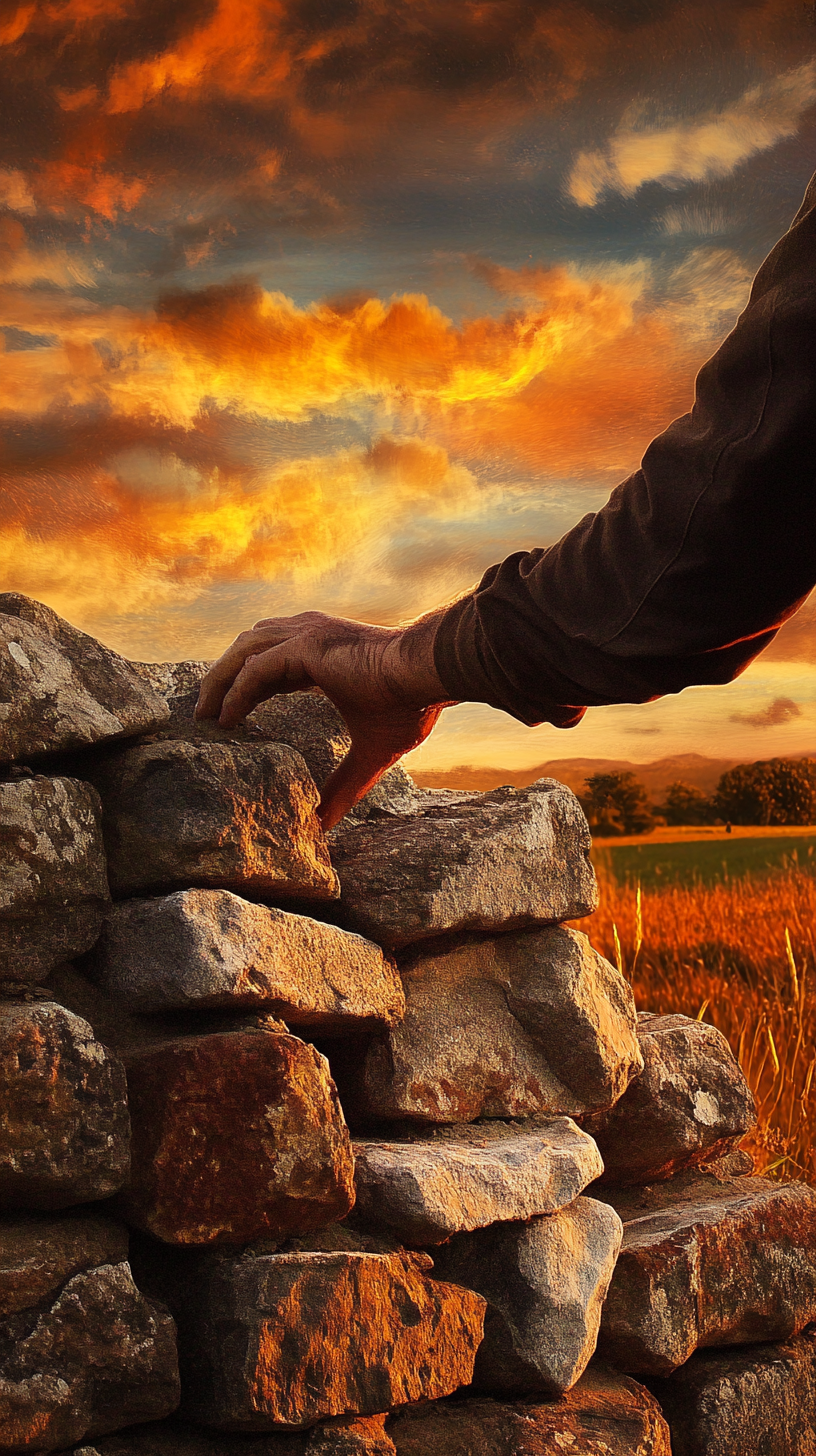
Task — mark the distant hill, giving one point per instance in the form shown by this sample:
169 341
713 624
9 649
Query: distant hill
691 768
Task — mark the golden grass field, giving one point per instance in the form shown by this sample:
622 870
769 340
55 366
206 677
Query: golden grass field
740 953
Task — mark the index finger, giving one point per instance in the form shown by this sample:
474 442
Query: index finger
221 676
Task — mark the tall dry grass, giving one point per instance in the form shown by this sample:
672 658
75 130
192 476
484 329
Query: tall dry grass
740 954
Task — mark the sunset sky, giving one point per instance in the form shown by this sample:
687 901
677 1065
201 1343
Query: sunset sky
333 303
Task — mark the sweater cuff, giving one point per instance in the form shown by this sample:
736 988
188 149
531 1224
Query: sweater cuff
470 672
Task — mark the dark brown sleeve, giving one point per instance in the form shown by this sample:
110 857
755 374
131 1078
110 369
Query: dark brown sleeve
695 560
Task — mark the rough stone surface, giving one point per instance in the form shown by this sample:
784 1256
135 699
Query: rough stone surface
708 1261
466 862
53 884
63 1109
545 1282
757 1401
215 816
285 1339
61 690
339 1436
427 1191
690 1104
82 1352
236 1136
307 721
507 1026
209 948
605 1414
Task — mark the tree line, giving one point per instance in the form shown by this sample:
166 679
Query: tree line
774 791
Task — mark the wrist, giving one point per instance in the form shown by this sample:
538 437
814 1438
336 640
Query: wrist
408 665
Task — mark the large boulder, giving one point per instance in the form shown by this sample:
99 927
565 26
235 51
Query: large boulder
308 721
337 1436
61 689
516 1025
757 1401
708 1261
216 816
271 1340
66 1131
426 1191
605 1414
237 1135
466 862
82 1352
545 1282
53 881
690 1105
204 949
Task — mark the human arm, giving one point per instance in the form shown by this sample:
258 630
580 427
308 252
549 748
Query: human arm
382 681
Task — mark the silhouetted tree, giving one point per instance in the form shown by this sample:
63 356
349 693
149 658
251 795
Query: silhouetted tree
617 803
686 804
773 791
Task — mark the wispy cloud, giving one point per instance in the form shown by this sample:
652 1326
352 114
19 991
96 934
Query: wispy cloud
711 145
781 710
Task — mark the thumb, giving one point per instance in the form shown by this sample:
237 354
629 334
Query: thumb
360 770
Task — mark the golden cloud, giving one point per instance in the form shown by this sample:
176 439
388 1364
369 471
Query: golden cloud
711 145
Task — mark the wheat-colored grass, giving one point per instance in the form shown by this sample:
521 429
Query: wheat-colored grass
741 955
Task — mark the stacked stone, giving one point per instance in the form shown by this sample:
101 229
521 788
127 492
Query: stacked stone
395 1157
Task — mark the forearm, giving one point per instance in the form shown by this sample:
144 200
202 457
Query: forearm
695 561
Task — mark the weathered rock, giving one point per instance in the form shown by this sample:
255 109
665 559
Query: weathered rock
605 1414
236 1136
468 862
40 1252
757 1401
427 1191
60 689
63 1098
274 1340
708 1261
338 1436
307 721
82 1352
208 948
213 815
544 1282
53 884
509 1026
690 1105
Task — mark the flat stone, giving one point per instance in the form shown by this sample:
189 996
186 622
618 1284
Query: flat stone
708 1261
274 1340
545 1282
210 949
53 881
427 1191
308 722
757 1401
605 1414
213 816
467 862
340 1436
237 1135
66 1131
60 689
689 1106
513 1025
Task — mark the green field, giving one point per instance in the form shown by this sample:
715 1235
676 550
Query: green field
703 861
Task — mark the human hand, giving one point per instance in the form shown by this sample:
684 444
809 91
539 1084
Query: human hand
381 680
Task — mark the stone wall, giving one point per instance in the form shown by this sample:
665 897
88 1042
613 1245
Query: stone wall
349 1146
